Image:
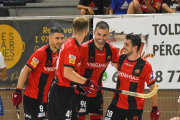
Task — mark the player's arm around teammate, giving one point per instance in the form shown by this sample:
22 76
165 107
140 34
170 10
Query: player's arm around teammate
41 69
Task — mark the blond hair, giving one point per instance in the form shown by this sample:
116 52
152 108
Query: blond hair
80 24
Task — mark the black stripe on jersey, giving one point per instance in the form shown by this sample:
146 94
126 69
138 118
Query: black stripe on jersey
69 66
88 73
116 97
121 60
108 52
91 57
100 77
133 86
29 66
131 99
138 67
42 83
44 77
49 58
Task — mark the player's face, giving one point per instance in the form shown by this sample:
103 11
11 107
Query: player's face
56 40
101 35
128 48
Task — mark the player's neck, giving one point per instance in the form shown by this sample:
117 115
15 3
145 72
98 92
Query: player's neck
54 50
133 57
100 47
79 38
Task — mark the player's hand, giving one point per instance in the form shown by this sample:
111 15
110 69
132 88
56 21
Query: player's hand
82 90
16 97
155 113
91 85
91 11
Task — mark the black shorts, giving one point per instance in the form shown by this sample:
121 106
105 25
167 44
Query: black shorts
116 113
34 109
62 103
90 105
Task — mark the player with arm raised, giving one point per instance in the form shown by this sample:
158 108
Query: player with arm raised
133 72
42 67
62 99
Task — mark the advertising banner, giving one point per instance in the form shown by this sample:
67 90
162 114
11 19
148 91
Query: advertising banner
160 45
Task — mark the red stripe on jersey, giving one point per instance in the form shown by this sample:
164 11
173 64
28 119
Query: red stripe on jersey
69 56
43 63
132 76
94 62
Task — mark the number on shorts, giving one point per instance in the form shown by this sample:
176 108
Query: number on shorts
68 114
41 108
109 113
83 103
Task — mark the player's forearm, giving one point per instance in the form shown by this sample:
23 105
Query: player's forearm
71 75
167 8
108 10
111 12
3 73
150 8
153 98
22 78
82 7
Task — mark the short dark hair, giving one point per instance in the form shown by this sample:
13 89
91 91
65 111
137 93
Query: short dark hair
56 29
135 40
102 25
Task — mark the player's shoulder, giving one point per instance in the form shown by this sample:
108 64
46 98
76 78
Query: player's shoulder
147 64
42 50
85 44
111 46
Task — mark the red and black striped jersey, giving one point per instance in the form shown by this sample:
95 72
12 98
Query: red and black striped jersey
69 56
94 62
132 76
43 65
156 4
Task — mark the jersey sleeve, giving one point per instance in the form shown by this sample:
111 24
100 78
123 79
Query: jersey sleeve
157 5
113 4
2 64
114 54
70 57
34 60
149 78
82 2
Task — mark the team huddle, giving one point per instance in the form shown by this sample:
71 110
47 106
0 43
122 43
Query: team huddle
78 71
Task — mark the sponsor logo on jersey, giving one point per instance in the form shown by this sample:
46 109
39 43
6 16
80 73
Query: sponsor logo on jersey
97 65
151 77
82 110
107 118
132 77
49 69
158 5
34 62
91 59
72 59
100 54
128 64
41 114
